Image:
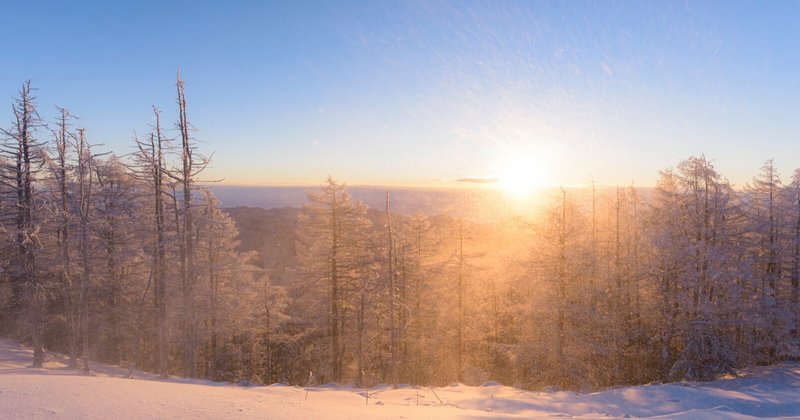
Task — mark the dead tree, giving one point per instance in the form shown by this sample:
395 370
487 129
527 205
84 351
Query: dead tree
59 170
152 171
460 311
191 166
85 164
25 159
392 296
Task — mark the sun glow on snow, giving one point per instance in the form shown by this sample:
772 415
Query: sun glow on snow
519 177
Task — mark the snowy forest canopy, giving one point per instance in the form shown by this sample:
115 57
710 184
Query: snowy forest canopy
131 260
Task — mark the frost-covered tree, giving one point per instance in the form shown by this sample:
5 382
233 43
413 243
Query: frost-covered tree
61 168
332 238
24 157
705 237
119 258
85 176
149 168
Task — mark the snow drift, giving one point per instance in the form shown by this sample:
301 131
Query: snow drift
56 391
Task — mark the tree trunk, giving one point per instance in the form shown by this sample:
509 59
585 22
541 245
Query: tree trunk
188 255
336 366
85 202
159 272
392 299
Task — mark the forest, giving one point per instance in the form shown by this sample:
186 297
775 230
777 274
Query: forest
129 259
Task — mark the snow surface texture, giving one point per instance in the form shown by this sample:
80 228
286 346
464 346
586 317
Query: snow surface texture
56 391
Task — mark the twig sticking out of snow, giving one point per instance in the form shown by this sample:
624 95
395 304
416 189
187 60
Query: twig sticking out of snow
310 375
366 388
434 394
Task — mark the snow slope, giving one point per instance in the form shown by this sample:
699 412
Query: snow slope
58 392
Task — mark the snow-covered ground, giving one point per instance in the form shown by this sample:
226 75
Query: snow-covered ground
58 392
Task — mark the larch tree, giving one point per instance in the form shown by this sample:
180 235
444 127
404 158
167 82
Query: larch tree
85 169
24 160
708 214
119 256
228 277
391 263
149 168
794 199
332 243
191 165
60 169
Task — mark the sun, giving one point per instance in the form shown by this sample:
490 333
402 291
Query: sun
519 177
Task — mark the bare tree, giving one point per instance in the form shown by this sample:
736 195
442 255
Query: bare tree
333 230
191 166
60 170
26 157
85 177
392 295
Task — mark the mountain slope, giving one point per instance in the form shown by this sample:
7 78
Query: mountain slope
58 392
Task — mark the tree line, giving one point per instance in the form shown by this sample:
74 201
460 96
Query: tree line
124 259
131 260
690 279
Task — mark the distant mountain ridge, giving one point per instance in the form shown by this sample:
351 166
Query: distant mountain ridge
473 203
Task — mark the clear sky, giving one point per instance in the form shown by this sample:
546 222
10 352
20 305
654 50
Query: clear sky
425 92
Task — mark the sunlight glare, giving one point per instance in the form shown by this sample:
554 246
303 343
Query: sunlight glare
520 177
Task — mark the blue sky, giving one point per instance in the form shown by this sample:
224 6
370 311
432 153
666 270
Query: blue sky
421 93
